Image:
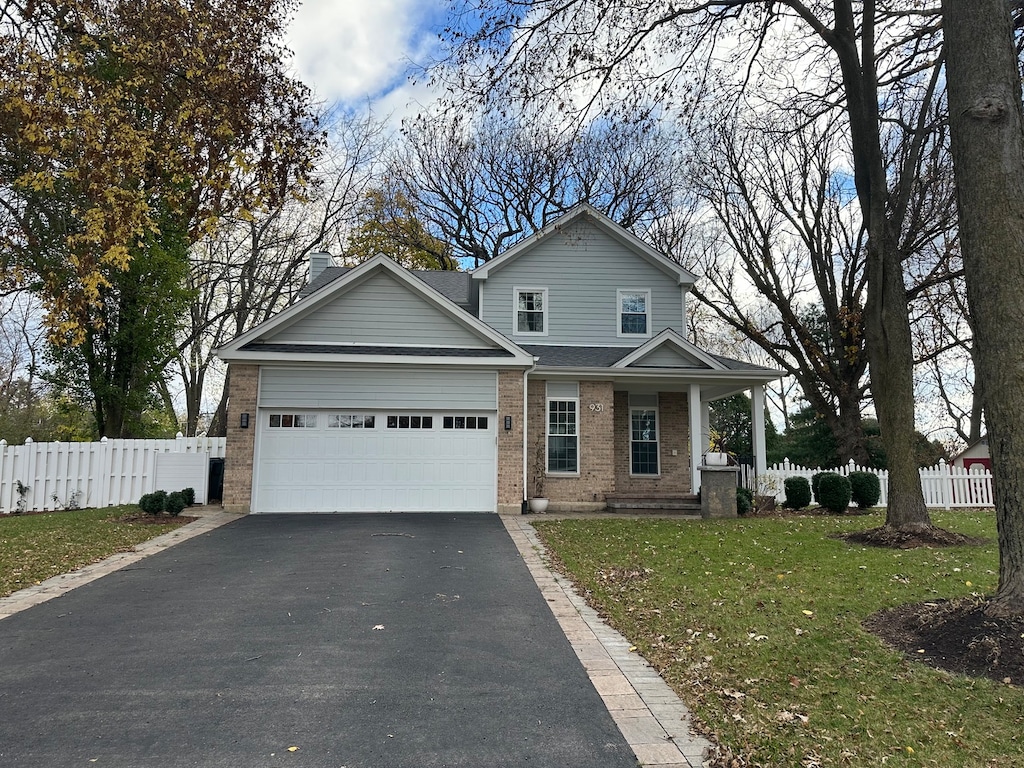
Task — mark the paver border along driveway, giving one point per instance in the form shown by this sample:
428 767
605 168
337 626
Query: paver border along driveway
365 641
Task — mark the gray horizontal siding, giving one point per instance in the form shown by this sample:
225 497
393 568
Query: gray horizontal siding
582 268
667 356
379 310
337 388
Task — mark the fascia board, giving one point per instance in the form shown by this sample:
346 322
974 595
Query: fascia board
285 358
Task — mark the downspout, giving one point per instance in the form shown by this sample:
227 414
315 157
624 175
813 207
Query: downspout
526 377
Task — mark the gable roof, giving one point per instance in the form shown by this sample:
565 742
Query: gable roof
259 343
454 286
681 354
603 223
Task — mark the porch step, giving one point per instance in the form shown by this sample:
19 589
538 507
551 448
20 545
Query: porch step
653 504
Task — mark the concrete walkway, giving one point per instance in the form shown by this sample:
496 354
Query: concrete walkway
652 719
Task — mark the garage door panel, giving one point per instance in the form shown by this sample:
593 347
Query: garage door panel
330 469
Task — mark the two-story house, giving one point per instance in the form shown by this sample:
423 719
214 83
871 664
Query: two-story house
563 360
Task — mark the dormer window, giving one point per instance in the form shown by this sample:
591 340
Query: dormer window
531 311
634 313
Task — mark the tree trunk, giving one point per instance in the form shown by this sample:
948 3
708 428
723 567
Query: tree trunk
890 351
986 125
886 319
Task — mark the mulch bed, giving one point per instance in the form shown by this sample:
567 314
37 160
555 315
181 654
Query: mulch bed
895 538
955 635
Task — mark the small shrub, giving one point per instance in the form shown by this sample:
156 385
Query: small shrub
162 497
151 504
865 489
190 496
834 492
175 503
744 500
798 492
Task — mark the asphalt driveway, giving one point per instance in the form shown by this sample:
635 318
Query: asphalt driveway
363 641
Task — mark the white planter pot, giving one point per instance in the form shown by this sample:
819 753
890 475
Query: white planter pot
716 459
538 505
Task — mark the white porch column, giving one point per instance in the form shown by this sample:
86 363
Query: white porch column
757 416
698 438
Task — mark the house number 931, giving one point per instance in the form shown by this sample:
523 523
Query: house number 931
597 407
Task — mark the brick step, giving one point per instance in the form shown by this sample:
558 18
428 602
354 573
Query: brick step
681 504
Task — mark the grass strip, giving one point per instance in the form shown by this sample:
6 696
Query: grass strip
35 547
756 624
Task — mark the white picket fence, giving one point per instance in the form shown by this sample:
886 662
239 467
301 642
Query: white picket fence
944 485
46 476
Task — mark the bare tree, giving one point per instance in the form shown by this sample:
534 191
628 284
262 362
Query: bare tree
987 125
480 184
255 265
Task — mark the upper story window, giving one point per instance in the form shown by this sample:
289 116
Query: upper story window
531 311
634 313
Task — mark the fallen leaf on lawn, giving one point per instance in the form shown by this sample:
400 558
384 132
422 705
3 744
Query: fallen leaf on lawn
378 626
794 681
632 649
293 749
807 613
733 694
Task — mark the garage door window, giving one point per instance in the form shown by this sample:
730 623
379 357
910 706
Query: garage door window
349 421
293 420
410 422
465 422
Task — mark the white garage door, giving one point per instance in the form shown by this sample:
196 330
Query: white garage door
375 461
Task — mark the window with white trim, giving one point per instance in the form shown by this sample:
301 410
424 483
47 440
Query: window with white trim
531 311
634 313
350 421
643 441
563 440
293 420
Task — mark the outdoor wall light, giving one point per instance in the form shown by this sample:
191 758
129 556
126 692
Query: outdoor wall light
508 423
244 424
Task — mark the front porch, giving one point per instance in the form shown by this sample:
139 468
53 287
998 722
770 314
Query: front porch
621 446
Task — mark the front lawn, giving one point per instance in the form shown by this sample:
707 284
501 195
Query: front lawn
35 547
756 623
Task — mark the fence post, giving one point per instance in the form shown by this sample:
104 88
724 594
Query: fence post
946 483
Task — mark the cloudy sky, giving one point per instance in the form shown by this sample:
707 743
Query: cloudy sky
354 52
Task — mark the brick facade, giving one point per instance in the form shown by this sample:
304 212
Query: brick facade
510 442
243 382
596 448
673 435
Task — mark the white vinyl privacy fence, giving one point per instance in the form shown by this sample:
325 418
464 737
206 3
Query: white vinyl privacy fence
944 485
45 476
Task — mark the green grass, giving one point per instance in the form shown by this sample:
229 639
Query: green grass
756 624
35 547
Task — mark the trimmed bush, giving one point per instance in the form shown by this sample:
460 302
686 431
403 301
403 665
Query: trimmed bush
798 492
744 500
865 489
162 495
152 504
190 496
175 503
834 492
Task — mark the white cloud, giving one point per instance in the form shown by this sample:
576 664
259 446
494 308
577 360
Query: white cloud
354 51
